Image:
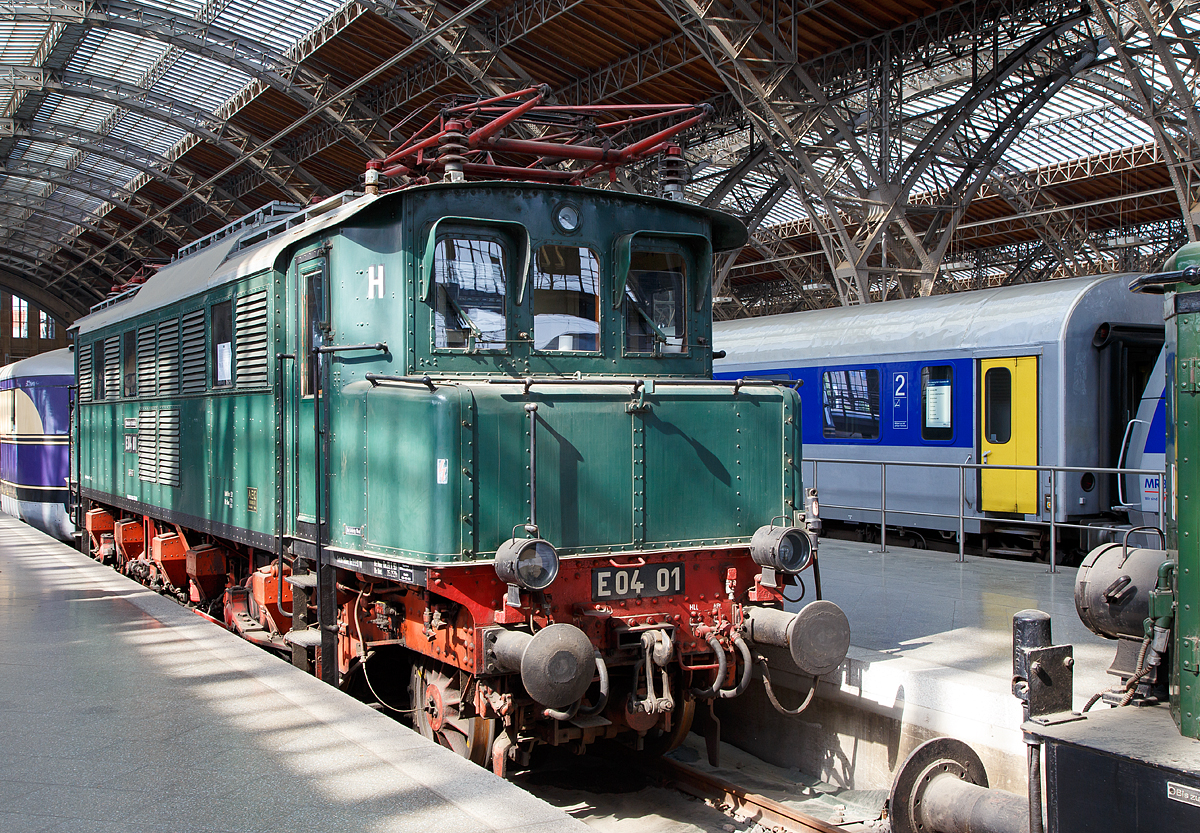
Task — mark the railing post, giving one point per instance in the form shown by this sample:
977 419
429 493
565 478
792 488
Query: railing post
1053 517
962 496
883 507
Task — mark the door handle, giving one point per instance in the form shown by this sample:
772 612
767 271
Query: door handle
983 457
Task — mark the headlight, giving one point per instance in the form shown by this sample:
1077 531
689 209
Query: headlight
783 548
530 563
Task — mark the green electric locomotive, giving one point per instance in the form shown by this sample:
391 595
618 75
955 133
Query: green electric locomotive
458 442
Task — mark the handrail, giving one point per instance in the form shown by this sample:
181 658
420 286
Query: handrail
962 468
1121 459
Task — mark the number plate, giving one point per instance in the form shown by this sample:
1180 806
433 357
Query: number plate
637 582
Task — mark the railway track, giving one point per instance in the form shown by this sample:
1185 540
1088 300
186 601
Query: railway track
741 802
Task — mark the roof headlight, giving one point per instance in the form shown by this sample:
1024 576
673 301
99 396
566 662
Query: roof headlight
529 563
783 548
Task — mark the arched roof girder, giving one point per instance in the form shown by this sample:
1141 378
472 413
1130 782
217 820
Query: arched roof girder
28 265
99 190
223 46
58 244
168 110
63 309
221 203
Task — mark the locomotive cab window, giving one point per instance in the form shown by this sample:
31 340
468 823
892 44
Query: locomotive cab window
656 302
997 405
566 299
129 386
470 294
850 404
937 414
222 341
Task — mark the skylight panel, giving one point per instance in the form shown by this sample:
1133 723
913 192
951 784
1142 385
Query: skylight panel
118 55
147 132
75 112
202 82
104 168
277 24
21 43
43 153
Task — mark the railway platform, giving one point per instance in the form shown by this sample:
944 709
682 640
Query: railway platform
931 655
122 711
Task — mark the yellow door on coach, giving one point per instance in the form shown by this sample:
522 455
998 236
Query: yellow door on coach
1008 436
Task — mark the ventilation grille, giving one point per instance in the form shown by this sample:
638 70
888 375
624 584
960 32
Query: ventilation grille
148 446
192 373
168 447
168 357
251 329
85 372
145 361
112 367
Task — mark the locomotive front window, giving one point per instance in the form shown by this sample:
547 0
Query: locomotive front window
997 405
566 299
850 404
937 416
222 340
470 308
655 306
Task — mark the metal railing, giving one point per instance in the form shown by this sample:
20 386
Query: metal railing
1054 524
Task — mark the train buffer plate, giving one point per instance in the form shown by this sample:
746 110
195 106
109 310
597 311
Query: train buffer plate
614 583
310 638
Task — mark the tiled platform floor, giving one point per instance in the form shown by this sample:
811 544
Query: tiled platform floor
121 711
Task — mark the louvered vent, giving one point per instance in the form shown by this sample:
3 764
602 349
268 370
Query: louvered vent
168 447
85 372
145 361
168 357
112 367
148 446
192 365
251 333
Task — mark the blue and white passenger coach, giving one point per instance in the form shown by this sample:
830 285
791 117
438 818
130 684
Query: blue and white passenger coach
35 441
1041 374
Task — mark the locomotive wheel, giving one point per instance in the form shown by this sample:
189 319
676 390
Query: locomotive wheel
437 713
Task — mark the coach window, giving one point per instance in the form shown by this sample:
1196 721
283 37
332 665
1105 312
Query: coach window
997 405
129 364
566 299
937 415
98 369
470 294
655 303
222 341
850 404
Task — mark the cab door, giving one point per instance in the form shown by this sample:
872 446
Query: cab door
309 325
1008 434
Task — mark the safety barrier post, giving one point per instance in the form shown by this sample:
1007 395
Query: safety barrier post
1053 517
962 496
883 507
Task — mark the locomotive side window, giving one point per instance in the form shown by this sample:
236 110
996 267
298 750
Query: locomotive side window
312 279
129 382
655 304
566 299
850 404
937 413
470 294
98 368
997 405
222 341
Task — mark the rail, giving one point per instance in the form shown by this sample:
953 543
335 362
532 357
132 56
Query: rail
1054 524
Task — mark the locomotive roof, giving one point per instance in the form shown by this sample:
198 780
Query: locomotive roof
241 252
54 363
1005 317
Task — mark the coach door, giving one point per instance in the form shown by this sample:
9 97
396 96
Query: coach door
1008 434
